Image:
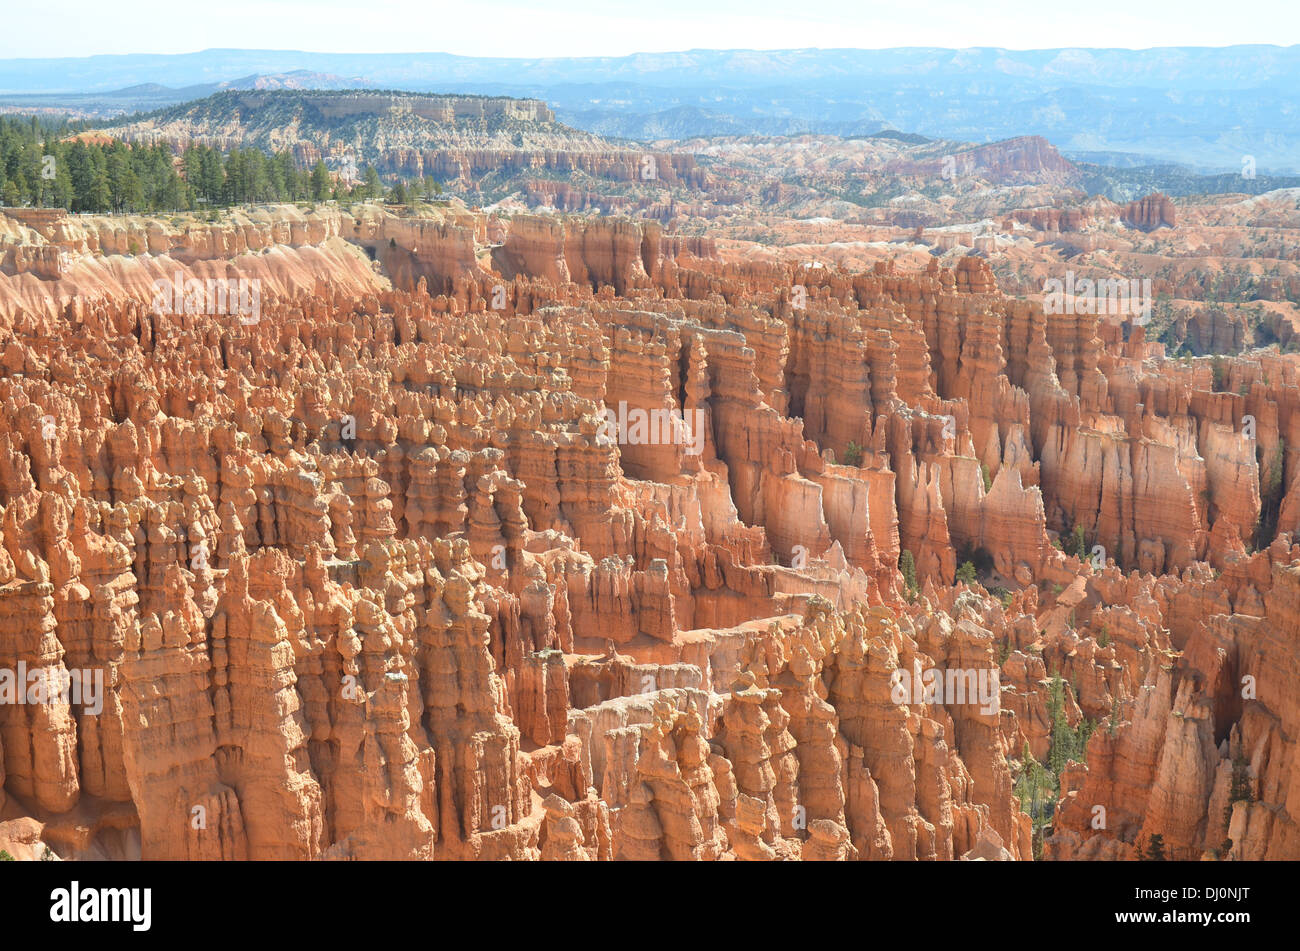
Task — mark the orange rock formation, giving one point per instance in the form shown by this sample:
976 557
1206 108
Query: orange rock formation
367 577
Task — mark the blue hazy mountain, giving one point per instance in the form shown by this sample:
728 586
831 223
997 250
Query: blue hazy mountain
1204 107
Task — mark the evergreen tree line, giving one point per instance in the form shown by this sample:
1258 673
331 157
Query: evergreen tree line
40 168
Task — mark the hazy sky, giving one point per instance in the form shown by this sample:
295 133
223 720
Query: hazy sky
616 27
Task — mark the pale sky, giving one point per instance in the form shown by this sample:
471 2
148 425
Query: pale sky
49 28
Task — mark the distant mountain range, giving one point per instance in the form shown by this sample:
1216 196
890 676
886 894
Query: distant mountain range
147 97
1211 109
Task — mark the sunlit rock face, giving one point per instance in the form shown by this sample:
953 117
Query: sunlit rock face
547 538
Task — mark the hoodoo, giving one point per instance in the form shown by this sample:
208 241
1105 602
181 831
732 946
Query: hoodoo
373 576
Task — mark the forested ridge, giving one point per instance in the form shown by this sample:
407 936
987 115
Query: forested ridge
58 165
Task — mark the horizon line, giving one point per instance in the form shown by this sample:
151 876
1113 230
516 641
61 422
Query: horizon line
668 52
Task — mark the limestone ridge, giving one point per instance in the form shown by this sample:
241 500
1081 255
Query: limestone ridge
402 133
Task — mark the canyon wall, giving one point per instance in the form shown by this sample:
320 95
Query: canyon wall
568 539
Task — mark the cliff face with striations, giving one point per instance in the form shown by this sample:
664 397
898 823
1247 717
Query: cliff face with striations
460 139
1145 214
547 538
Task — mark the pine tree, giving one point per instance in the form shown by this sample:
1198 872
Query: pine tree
1056 753
1067 743
124 191
320 181
907 565
192 161
372 187
213 176
289 175
275 190
99 198
29 169
1155 848
62 184
1029 788
233 179
1240 789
